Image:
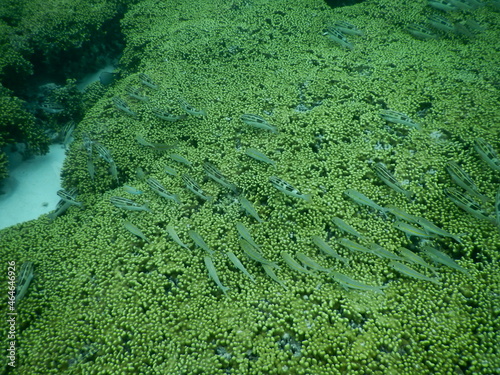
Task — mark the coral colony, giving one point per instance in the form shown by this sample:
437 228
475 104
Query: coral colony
276 187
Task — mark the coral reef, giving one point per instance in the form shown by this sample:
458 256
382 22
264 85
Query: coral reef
105 301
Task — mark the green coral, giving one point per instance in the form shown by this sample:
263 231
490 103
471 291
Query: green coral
17 125
115 304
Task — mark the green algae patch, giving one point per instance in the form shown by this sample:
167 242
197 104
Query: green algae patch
117 304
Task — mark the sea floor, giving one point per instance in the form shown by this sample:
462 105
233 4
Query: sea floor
30 190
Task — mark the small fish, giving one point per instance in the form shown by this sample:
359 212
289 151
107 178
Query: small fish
354 246
114 171
132 190
411 230
442 5
213 273
88 144
430 227
69 198
325 248
270 272
173 234
195 188
23 280
411 257
103 152
122 106
245 234
155 146
159 189
180 159
399 118
167 116
311 263
363 200
257 155
190 109
468 204
198 240
254 254
347 28
215 175
128 204
249 208
421 32
67 133
497 207
239 265
462 179
292 263
51 107
135 93
147 81
439 257
134 230
169 170
441 23
343 226
408 271
288 189
487 153
466 5
91 167
401 214
348 283
388 178
383 253
257 122
61 208
333 33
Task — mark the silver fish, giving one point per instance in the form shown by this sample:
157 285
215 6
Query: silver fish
399 118
213 273
147 81
215 175
257 155
24 280
333 33
128 204
159 189
167 116
195 188
487 153
348 283
122 106
388 178
462 179
249 208
135 93
421 32
69 198
257 122
288 189
363 200
190 109
134 230
347 28
408 271
466 203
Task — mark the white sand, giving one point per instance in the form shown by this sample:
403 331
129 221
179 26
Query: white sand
31 188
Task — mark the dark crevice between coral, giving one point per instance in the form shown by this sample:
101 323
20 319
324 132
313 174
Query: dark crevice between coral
47 74
341 3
